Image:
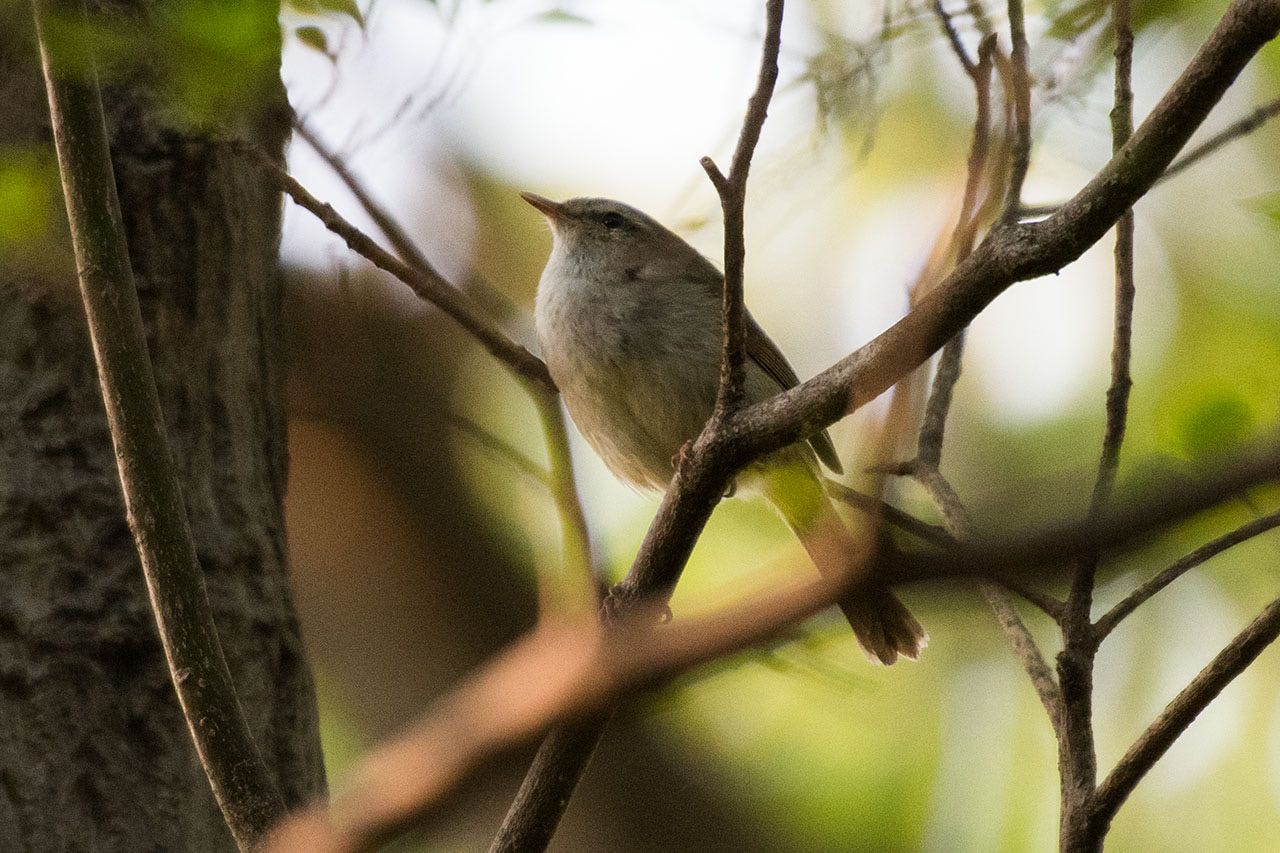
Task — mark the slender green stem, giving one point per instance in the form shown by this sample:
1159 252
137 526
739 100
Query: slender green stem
241 782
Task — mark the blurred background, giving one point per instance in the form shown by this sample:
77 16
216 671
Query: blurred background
416 548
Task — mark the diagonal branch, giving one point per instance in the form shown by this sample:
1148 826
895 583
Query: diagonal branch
424 281
1113 617
579 568
1182 711
571 672
242 784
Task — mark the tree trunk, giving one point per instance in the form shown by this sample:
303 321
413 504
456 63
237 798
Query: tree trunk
94 752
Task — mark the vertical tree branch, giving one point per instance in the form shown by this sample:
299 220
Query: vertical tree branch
1020 79
241 782
1078 762
733 199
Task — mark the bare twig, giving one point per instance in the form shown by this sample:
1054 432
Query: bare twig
1109 620
1021 81
948 25
931 533
1024 647
1181 712
733 198
396 235
1078 762
425 282
1238 129
241 782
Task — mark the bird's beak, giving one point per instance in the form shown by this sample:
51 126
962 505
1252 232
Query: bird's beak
553 210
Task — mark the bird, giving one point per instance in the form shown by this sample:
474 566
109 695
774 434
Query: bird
628 319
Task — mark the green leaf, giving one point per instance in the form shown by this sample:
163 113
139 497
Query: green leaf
561 16
314 38
28 187
1218 420
1268 204
321 7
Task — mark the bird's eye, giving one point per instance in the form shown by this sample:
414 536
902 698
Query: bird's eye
612 221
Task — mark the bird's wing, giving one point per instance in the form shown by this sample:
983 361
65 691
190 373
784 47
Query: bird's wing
765 353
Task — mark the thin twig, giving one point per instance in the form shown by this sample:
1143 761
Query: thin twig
1182 711
242 784
1021 81
578 589
1077 751
948 24
733 199
1024 647
877 507
396 235
1109 620
425 282
1238 129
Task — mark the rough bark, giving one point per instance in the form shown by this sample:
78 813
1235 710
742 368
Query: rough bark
94 752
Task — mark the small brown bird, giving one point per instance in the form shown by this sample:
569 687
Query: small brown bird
629 321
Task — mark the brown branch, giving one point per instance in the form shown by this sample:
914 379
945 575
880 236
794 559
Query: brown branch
1182 711
425 282
571 672
1077 752
948 24
242 784
1107 623
733 198
1025 648
1020 78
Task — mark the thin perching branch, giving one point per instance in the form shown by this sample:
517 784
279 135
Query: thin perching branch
241 782
425 282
